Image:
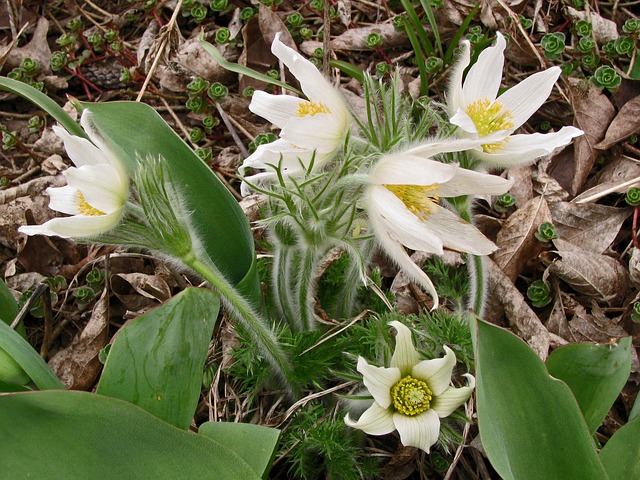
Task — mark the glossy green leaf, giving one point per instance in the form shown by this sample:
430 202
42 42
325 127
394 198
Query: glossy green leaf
530 423
256 444
135 130
595 374
8 305
45 103
69 435
156 361
621 455
27 358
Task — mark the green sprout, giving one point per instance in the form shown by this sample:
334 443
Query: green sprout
247 14
635 315
295 19
306 33
374 40
198 13
526 23
382 68
210 122
475 35
196 104
9 140
223 35
96 40
110 36
625 46
545 126
546 231
590 60
606 77
217 91
633 196
75 25
504 201
219 5
197 134
553 44
35 124
583 28
84 296
539 293
434 64
197 86
248 92
632 26
30 67
261 139
586 44
205 154
95 278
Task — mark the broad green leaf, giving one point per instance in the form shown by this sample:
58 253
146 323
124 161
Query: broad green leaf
256 444
621 455
530 423
134 130
595 374
69 435
156 361
8 305
27 358
349 68
45 103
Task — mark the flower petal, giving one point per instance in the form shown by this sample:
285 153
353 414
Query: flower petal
526 97
78 226
64 199
374 421
323 131
430 148
469 182
379 381
436 372
456 234
524 149
484 77
449 400
100 185
421 431
80 150
454 95
277 109
406 169
405 355
463 121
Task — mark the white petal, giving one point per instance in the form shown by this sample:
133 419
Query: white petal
374 421
464 122
323 131
524 99
405 356
430 148
64 199
525 148
456 234
281 153
379 381
277 109
469 182
404 169
77 226
454 94
436 372
421 431
449 400
484 77
100 185
80 150
86 120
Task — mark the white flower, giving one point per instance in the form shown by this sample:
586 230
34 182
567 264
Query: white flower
318 124
478 111
402 202
410 396
96 191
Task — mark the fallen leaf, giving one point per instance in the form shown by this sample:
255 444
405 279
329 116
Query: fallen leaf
594 326
594 113
625 123
516 241
600 277
603 30
356 38
150 286
522 188
589 226
78 365
557 322
617 176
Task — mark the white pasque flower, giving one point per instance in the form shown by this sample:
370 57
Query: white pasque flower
478 111
412 395
96 191
402 203
310 129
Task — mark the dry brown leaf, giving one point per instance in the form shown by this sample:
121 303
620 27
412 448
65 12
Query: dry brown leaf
522 188
356 38
78 365
617 176
594 326
558 322
625 123
600 277
37 48
589 226
150 286
594 113
545 184
516 241
521 317
604 30
634 267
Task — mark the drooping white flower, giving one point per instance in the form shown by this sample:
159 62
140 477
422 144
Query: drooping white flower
314 127
475 107
96 191
402 203
411 395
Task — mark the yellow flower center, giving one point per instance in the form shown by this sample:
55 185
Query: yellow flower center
490 117
419 199
311 108
411 396
84 208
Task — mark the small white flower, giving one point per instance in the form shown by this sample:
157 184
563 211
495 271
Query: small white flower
312 128
96 191
402 203
410 396
478 111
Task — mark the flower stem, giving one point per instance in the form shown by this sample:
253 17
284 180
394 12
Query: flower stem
242 311
475 267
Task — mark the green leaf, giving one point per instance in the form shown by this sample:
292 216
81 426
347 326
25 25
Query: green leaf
256 444
17 348
157 361
8 305
65 435
241 69
530 423
621 455
349 69
41 100
131 128
595 374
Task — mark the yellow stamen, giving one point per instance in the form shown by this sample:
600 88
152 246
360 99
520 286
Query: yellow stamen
490 117
84 208
411 396
419 199
311 108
